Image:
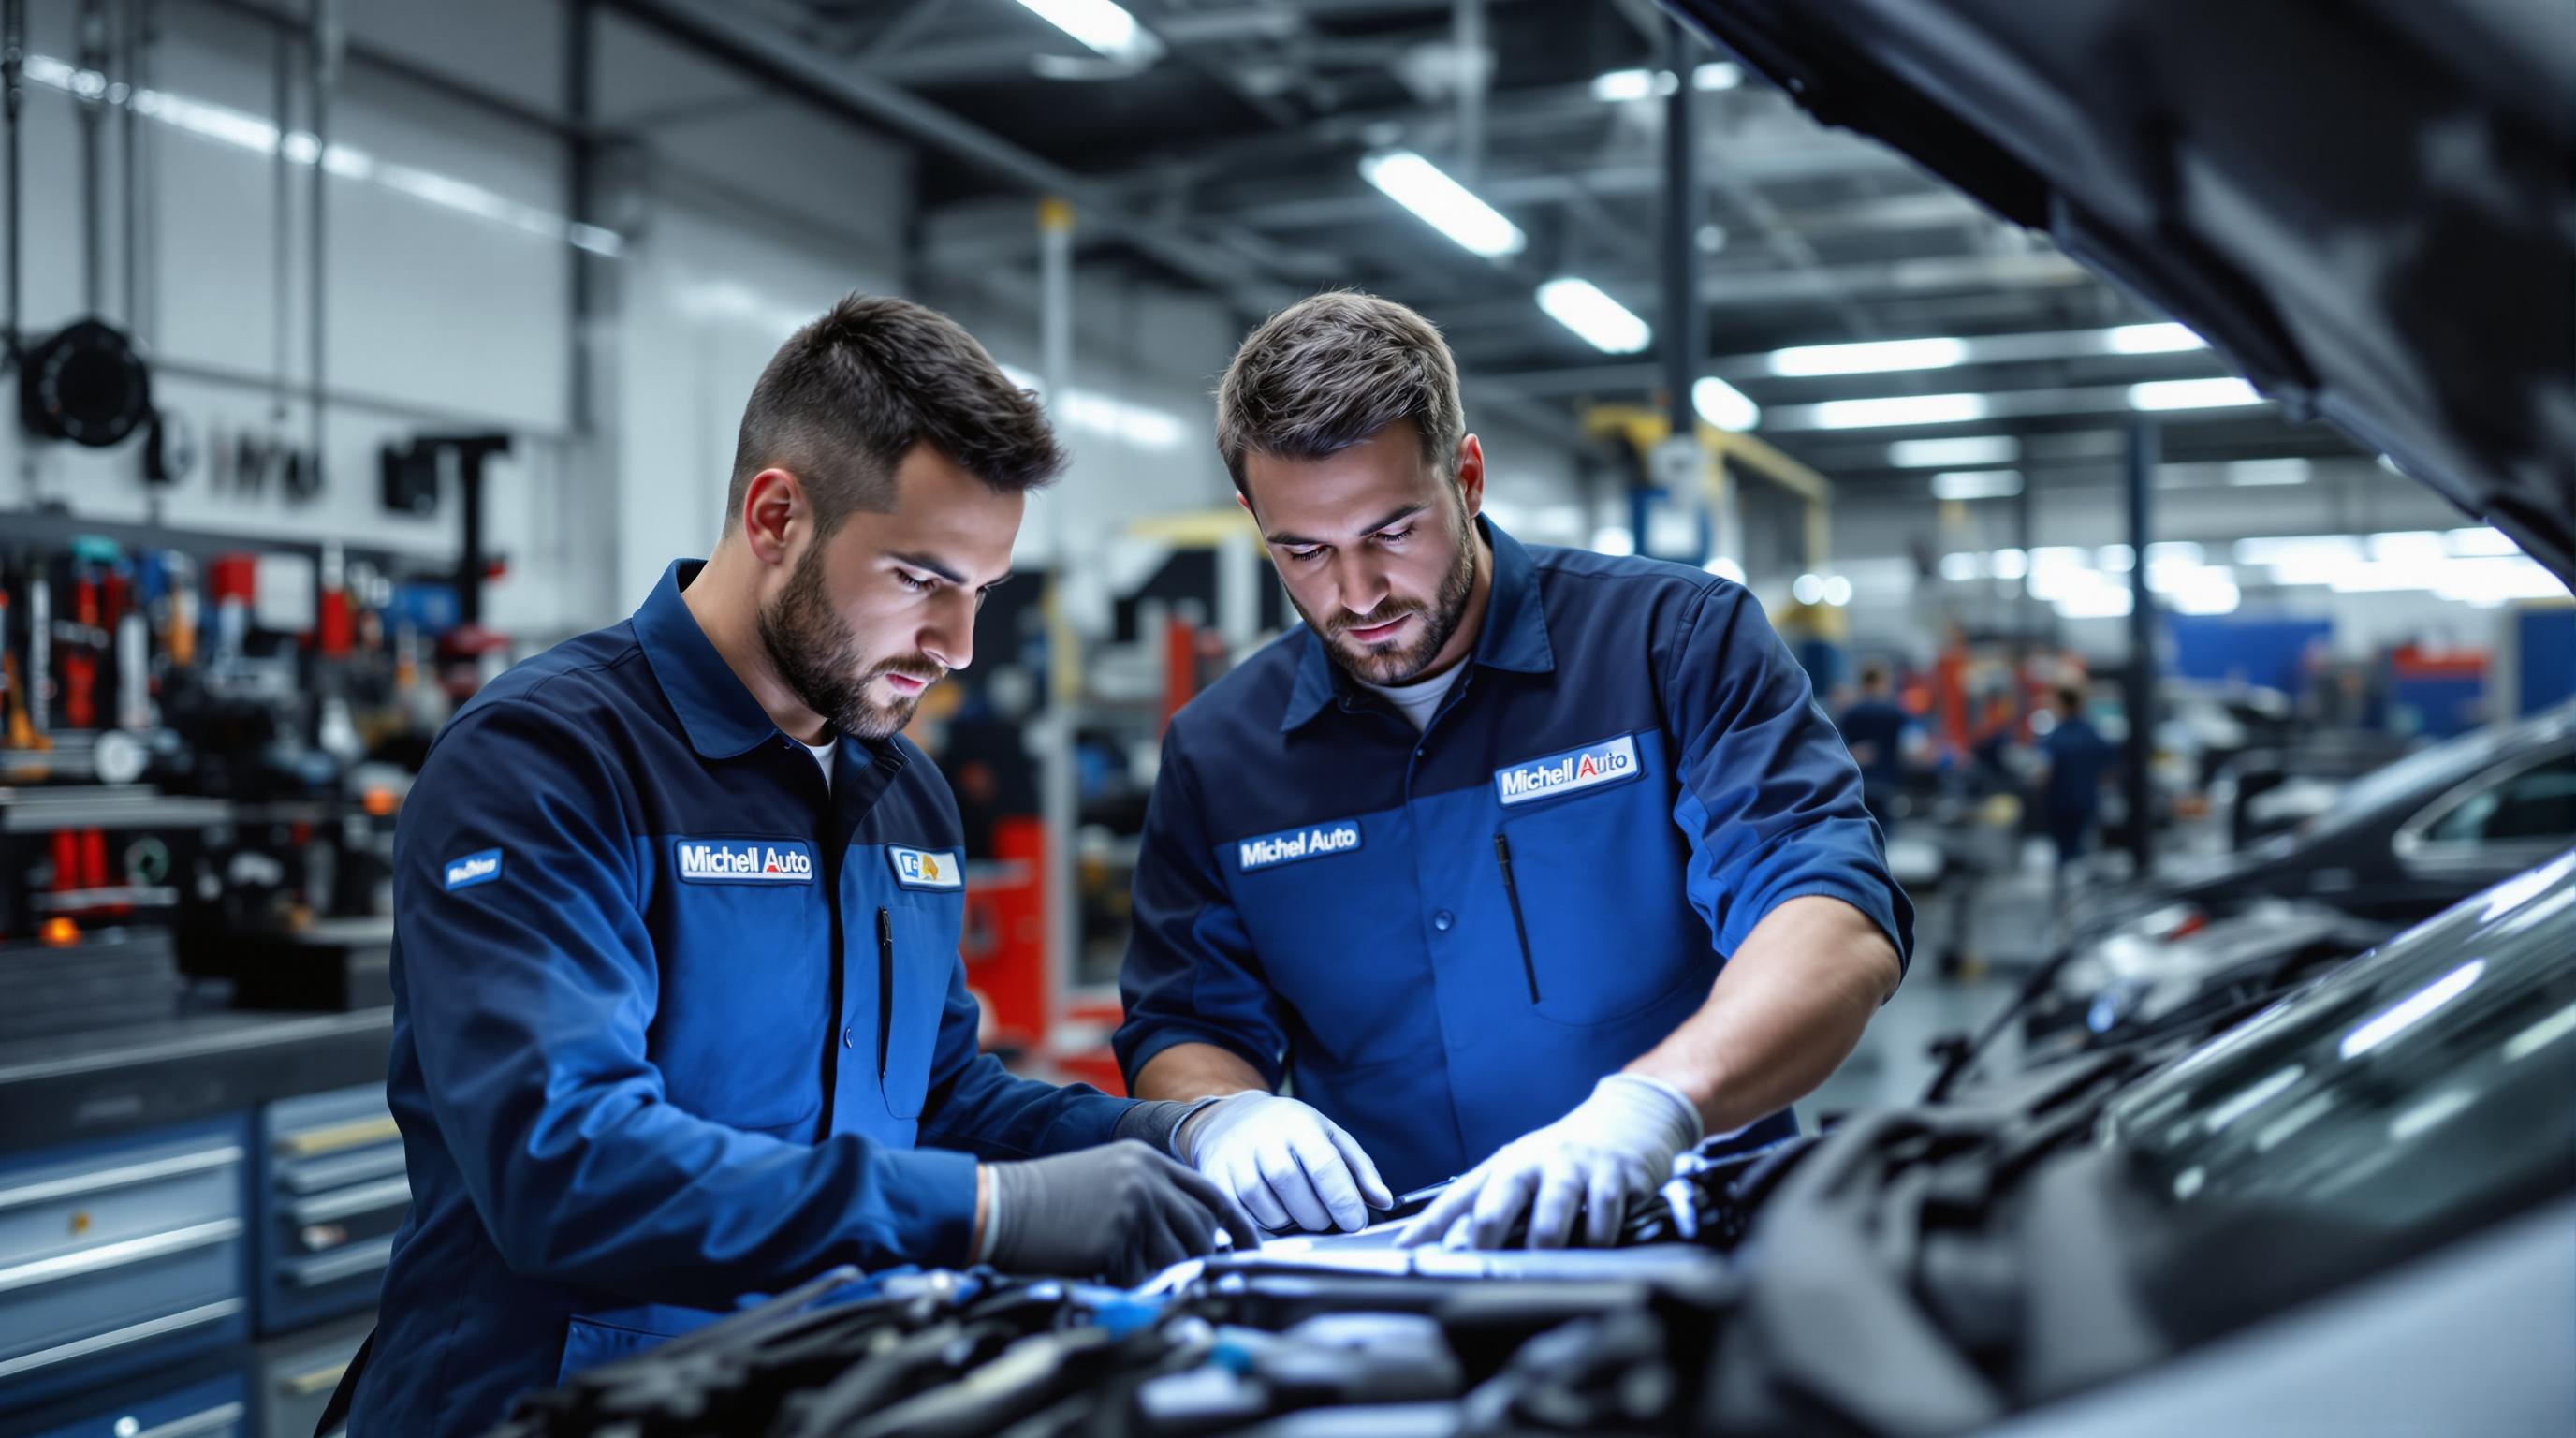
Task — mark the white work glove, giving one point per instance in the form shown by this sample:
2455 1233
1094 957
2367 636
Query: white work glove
1288 1165
1617 1144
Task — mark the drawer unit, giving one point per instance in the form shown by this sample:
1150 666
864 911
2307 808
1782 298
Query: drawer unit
332 1194
121 1255
298 1373
214 1408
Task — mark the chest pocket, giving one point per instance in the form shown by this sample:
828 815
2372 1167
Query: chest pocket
1335 916
745 1006
1594 880
915 935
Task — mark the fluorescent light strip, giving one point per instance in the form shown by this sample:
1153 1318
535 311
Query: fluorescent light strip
1107 415
1967 451
2166 394
1613 87
1601 321
1105 27
1875 357
1964 484
1443 203
244 131
2249 472
1898 410
2151 339
1724 405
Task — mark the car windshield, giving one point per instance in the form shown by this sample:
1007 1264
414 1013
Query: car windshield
2458 759
2416 1085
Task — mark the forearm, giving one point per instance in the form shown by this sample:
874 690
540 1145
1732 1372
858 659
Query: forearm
1787 1009
1189 1071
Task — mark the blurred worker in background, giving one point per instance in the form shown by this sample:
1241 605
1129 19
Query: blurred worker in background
678 1009
1883 739
1529 861
2074 760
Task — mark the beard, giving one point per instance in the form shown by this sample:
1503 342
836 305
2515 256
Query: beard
823 663
1389 664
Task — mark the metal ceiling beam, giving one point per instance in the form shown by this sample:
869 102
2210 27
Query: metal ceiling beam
721 30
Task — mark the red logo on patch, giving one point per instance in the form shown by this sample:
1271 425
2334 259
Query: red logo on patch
1587 769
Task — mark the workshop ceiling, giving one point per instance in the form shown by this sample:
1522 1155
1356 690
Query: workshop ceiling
1241 125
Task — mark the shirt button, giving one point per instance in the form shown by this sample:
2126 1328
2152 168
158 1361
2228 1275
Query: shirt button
849 1038
1443 920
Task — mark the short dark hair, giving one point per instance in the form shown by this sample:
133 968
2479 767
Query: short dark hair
1335 370
2070 698
1873 674
849 395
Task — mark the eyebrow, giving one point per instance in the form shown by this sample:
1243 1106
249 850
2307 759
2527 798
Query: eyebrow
1402 513
918 560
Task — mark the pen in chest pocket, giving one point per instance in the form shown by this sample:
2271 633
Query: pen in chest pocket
885 988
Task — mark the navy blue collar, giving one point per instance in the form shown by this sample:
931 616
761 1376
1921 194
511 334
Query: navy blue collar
1514 636
719 714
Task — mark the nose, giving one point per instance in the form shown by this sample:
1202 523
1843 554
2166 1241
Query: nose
948 635
1361 583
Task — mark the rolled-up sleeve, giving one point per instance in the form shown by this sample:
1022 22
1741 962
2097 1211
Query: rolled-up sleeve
529 984
1191 975
1768 796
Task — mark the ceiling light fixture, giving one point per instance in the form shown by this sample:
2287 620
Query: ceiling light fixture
1873 357
2151 339
1899 410
1603 322
1103 25
1964 452
1724 405
1962 484
1443 203
2192 394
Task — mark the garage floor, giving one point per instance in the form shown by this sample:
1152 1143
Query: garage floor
2002 921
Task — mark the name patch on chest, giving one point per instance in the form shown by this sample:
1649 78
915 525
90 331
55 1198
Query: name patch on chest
926 868
744 861
473 869
1288 846
1589 767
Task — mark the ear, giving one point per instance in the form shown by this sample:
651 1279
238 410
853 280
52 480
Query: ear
1471 474
773 505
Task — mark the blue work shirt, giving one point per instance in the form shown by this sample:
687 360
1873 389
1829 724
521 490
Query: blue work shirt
1880 727
672 1023
1322 890
2078 757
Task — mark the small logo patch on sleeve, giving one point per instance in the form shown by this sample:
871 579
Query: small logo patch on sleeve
1589 767
473 869
926 868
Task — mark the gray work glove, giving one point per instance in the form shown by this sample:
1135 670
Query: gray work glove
1120 1212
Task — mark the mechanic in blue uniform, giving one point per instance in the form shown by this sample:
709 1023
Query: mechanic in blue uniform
1882 738
1526 864
678 1010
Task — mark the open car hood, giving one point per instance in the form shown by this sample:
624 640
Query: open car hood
2366 206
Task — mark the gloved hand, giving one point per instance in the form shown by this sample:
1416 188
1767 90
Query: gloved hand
1121 1212
1614 1145
1288 1165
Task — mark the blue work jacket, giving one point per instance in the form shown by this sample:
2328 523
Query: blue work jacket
1445 938
673 1025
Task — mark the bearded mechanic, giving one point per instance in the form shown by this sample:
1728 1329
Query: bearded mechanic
1525 864
679 1013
